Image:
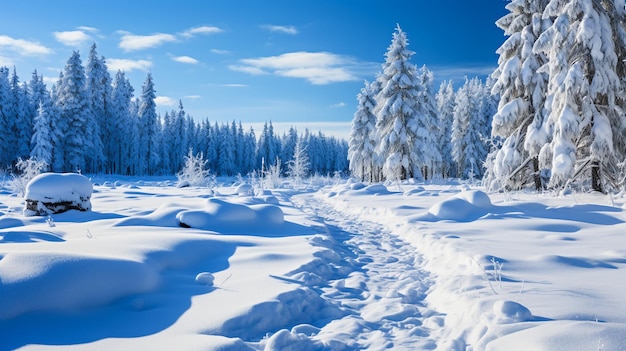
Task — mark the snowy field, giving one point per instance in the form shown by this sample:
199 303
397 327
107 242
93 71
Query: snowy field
341 267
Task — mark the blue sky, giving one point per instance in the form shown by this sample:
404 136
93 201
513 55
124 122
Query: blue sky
296 63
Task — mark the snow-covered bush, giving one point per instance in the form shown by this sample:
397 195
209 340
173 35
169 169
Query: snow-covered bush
26 170
194 172
271 177
50 193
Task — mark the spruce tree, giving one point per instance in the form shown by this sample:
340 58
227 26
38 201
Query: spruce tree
149 126
403 126
73 100
585 47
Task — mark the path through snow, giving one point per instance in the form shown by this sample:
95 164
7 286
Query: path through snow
375 277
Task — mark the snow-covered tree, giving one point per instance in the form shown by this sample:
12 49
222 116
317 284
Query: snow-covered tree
428 109
404 122
445 110
521 87
73 100
362 155
585 48
298 166
149 125
470 129
44 138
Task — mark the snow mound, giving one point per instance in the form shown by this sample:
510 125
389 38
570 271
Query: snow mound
205 278
466 206
61 282
506 312
284 340
50 193
218 213
245 190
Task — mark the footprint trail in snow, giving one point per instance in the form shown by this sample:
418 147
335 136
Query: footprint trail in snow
375 277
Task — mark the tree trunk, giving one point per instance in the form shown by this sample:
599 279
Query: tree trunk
536 175
595 176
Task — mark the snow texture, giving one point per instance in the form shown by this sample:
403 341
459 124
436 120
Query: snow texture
348 266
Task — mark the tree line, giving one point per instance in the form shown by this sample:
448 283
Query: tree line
403 129
551 115
91 122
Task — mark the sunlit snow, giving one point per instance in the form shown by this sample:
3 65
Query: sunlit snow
328 265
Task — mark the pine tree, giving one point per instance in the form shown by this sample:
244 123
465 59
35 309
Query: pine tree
521 87
470 129
149 126
73 100
362 145
403 124
445 111
585 47
43 139
98 86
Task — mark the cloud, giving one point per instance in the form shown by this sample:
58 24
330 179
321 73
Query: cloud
164 101
6 62
205 30
220 52
192 97
132 42
339 105
281 29
127 65
317 67
185 59
23 47
248 69
72 37
87 29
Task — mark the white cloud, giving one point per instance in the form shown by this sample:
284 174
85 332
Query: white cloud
185 59
127 65
132 42
234 85
72 37
247 69
220 52
164 101
339 105
87 29
316 67
192 97
23 47
206 30
281 29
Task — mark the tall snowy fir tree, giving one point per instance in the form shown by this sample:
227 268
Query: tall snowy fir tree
44 138
73 100
428 111
445 110
150 129
403 124
585 47
99 90
470 129
5 118
518 122
23 118
362 146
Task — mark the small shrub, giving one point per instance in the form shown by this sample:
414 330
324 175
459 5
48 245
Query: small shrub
26 170
194 172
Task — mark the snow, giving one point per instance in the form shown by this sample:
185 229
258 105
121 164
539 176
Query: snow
59 187
411 266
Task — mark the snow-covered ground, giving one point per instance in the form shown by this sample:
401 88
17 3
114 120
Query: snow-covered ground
341 267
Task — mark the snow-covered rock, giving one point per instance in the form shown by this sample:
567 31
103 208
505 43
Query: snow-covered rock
50 193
